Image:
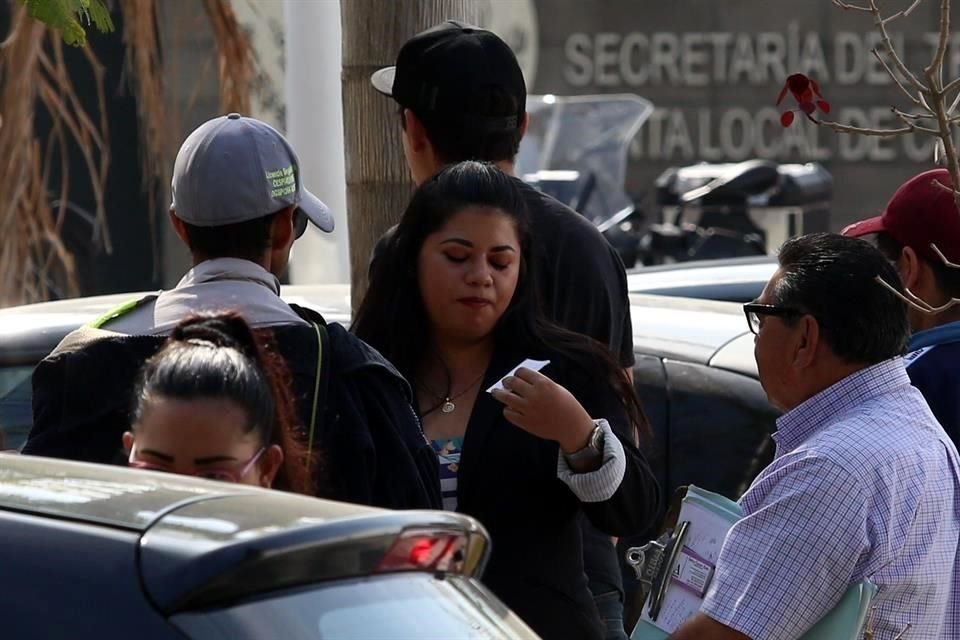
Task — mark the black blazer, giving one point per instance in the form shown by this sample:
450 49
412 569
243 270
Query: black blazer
508 480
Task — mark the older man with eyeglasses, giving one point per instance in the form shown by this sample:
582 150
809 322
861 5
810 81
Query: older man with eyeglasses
864 484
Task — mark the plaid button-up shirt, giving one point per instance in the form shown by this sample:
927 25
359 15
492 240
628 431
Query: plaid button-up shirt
864 484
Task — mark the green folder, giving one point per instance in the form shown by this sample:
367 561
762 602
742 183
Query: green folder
844 622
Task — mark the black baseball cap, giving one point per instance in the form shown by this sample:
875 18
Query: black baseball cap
441 72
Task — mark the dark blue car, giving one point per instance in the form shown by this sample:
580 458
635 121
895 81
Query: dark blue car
101 552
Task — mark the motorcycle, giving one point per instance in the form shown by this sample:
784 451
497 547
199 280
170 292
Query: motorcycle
575 149
728 210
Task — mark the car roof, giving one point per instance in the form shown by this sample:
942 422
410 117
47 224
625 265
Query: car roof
119 497
731 279
29 332
667 326
690 329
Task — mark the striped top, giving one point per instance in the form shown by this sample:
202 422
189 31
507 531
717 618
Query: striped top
448 452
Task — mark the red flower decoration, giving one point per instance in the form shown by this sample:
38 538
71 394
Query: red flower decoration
803 90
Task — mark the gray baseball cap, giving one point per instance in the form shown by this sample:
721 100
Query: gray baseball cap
233 169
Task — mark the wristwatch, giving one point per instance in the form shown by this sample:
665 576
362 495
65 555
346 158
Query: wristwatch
592 450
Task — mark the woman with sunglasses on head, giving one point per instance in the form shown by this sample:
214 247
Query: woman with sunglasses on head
214 402
452 303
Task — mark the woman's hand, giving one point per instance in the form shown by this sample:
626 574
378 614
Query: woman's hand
540 406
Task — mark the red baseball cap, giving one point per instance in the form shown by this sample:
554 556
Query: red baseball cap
919 214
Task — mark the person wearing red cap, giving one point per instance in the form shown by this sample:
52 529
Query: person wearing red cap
921 220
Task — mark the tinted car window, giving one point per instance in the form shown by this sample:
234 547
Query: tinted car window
649 381
720 426
711 428
385 607
16 413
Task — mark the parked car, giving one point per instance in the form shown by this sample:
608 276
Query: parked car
695 373
94 551
732 279
29 332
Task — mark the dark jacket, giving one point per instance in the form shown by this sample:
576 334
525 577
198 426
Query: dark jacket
508 480
371 446
933 365
583 288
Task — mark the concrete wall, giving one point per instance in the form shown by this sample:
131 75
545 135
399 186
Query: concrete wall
714 69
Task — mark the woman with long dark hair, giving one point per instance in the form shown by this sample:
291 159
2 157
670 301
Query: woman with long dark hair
215 402
453 305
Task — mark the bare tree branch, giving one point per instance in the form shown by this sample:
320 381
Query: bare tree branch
940 255
851 7
880 133
888 44
916 302
903 115
890 73
952 86
944 133
910 119
934 73
931 98
909 10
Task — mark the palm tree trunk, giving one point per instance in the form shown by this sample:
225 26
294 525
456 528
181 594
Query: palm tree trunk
378 182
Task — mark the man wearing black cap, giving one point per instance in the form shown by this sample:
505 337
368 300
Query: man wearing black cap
463 97
239 205
920 220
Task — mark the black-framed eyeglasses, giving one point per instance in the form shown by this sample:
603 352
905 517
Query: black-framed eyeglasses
753 311
299 223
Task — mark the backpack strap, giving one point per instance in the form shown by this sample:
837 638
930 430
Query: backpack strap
122 310
321 384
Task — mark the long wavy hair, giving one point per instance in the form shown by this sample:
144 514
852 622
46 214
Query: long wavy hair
392 317
220 356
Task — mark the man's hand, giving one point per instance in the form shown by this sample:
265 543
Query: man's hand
703 627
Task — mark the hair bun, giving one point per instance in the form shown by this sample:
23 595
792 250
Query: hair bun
227 330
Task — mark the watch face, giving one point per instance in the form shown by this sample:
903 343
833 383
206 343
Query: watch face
596 439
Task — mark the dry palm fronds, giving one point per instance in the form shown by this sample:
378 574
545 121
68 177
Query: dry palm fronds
158 126
142 40
234 56
34 263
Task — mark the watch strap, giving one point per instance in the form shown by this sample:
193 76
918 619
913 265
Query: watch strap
592 450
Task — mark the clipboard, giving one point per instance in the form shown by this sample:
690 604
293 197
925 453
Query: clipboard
676 569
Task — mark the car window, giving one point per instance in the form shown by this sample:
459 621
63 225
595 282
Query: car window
720 427
16 413
649 381
382 607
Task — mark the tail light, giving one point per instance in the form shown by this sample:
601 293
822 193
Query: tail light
435 550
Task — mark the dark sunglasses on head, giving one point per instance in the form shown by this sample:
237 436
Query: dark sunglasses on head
753 311
299 223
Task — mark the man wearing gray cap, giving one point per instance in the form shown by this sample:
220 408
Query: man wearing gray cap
238 206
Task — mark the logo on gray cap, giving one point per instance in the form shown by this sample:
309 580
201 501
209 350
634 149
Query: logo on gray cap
232 169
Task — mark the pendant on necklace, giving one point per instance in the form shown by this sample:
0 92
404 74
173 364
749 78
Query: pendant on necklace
447 407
